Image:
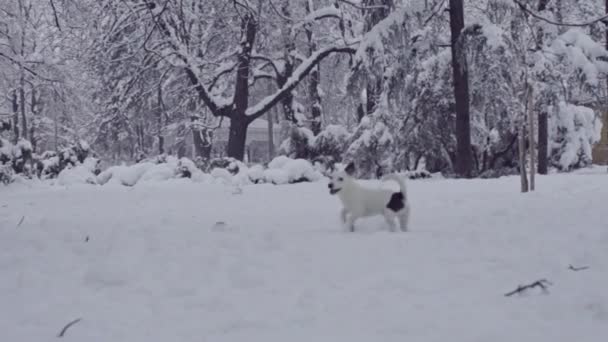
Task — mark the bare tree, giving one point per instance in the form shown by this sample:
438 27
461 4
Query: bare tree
464 158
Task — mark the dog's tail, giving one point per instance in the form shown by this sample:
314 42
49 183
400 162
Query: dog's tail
397 179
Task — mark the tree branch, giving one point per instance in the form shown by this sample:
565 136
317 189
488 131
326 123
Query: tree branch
298 75
576 269
26 68
523 7
543 284
62 332
55 15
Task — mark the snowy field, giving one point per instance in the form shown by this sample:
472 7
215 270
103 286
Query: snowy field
176 261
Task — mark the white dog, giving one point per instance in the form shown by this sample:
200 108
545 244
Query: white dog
359 201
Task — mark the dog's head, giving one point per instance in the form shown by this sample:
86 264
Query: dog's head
341 179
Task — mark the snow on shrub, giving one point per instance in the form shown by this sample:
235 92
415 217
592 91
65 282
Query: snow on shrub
84 173
573 131
331 142
14 159
299 144
124 175
50 163
282 170
371 149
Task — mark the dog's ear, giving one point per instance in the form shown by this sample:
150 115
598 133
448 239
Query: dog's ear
350 169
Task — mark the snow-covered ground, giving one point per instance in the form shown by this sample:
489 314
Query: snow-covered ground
176 261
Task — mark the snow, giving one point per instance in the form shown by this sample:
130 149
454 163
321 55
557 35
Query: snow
174 261
79 174
283 170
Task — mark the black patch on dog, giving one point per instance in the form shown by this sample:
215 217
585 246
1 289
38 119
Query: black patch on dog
396 202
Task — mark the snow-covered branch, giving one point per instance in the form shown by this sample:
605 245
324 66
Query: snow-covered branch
298 75
524 7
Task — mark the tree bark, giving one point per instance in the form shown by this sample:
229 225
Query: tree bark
522 157
159 120
237 138
313 90
461 91
34 111
22 105
543 116
270 119
531 141
16 132
238 120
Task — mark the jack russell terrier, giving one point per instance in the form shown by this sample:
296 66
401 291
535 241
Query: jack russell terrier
359 201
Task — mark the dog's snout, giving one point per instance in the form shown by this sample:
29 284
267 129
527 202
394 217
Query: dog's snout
330 185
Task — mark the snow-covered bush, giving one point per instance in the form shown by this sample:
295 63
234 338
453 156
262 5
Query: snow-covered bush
329 146
371 149
574 130
50 163
85 173
14 159
299 144
283 170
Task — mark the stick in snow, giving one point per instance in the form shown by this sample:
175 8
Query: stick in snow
67 326
576 269
20 221
543 283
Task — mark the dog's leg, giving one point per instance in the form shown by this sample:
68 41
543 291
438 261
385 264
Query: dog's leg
404 217
389 216
343 214
350 223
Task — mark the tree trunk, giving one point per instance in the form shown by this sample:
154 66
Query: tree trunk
270 119
22 105
159 120
313 90
522 157
237 137
238 120
34 110
543 116
531 141
543 143
461 92
16 132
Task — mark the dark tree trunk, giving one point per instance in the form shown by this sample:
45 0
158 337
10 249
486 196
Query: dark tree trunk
159 120
288 48
238 120
461 92
22 106
237 137
543 116
360 113
15 117
543 143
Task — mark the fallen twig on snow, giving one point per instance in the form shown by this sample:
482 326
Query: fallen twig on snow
543 284
20 221
576 269
67 326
